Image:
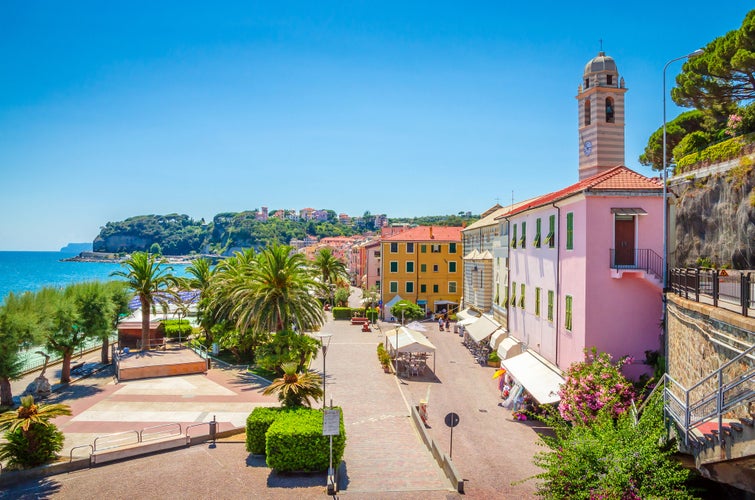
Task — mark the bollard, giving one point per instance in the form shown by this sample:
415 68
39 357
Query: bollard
213 428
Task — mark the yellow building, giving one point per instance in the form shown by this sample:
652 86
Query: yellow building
423 265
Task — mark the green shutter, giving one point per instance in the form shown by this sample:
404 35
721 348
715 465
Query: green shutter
537 233
570 231
537 299
550 305
568 322
513 240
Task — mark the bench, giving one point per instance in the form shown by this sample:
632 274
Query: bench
359 321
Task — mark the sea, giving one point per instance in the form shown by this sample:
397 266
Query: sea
30 271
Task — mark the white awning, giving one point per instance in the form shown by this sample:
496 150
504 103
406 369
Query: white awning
408 340
484 327
540 380
466 314
628 211
497 337
466 321
508 348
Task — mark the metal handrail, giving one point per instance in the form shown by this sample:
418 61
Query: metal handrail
171 424
196 425
91 451
94 446
736 292
644 259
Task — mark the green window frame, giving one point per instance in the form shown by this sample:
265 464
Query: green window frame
513 240
409 266
435 288
568 315
523 239
538 224
550 305
393 287
423 268
394 266
513 294
570 231
409 287
452 266
521 298
505 300
452 248
537 300
550 240
423 248
451 287
423 289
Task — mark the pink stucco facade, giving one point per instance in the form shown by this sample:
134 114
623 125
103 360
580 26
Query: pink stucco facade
614 310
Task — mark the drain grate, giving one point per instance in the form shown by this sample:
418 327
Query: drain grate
481 410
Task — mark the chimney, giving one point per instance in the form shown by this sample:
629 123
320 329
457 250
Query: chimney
431 233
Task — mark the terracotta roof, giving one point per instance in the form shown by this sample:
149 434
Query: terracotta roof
428 233
616 179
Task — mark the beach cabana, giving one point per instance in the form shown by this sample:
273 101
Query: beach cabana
405 340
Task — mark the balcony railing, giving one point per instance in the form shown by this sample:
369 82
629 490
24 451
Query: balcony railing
734 291
640 259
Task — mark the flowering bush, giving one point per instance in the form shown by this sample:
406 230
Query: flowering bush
733 125
593 384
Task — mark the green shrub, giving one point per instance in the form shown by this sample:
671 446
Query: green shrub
284 347
372 314
39 445
173 327
257 424
383 356
494 358
294 442
716 153
691 144
341 313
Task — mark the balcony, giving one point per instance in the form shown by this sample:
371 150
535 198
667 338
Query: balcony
634 260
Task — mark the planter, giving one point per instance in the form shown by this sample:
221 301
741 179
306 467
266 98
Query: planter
494 364
387 368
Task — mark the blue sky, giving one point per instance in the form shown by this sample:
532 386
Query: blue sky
403 108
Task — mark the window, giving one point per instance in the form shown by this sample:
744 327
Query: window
570 231
451 287
537 232
435 268
513 240
410 248
394 266
609 110
423 268
550 305
550 240
394 247
521 298
377 284
376 253
452 248
587 85
537 301
409 266
435 288
409 287
423 289
523 239
452 266
587 110
513 294
393 287
423 248
435 248
609 79
567 319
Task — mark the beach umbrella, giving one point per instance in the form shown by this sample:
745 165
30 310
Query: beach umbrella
499 372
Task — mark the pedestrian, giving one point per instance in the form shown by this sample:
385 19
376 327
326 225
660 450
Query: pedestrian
447 324
440 323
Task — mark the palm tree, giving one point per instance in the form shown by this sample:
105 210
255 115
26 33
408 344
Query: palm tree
31 439
296 389
331 269
200 278
275 293
146 276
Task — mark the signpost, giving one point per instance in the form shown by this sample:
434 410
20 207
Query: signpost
331 426
452 420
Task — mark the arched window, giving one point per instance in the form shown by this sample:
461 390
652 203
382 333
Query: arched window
609 110
587 111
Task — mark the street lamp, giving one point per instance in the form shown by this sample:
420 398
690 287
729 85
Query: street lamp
665 171
324 342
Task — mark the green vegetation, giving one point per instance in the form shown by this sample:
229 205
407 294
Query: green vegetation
31 439
177 328
407 311
286 347
19 323
257 424
296 388
720 85
383 356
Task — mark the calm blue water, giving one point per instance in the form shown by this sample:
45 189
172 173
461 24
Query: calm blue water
30 271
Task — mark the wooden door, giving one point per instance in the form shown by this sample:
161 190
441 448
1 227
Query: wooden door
624 231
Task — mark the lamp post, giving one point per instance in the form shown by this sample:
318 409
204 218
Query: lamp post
665 173
324 342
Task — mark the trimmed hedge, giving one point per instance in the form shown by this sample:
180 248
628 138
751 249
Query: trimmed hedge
341 313
257 424
173 327
294 442
350 312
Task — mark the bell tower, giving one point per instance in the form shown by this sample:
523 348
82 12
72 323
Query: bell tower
601 117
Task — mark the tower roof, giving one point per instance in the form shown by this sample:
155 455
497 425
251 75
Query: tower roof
600 63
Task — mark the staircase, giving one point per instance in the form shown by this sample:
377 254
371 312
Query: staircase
638 260
715 420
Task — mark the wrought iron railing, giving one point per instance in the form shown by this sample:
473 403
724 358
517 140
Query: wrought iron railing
642 259
733 290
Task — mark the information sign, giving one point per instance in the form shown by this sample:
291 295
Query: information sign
331 423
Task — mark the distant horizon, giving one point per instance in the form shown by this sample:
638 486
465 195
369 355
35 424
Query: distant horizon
392 107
